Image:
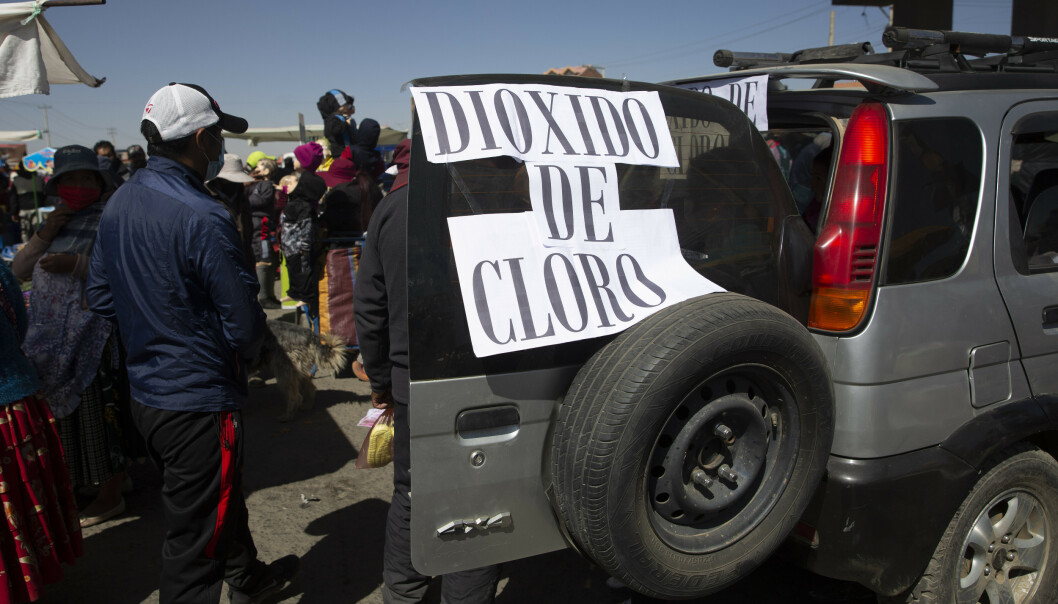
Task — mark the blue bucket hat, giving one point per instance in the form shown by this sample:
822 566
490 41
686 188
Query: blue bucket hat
69 159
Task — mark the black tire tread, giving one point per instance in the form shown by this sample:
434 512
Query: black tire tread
930 587
589 424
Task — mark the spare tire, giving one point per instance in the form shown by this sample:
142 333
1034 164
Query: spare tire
687 448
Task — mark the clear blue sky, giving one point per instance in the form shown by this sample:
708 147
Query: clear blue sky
267 60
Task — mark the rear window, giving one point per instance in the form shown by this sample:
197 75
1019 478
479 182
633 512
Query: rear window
728 198
933 199
804 156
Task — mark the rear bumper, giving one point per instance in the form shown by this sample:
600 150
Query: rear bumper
878 521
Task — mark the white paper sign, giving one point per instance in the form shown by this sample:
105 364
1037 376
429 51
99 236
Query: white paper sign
576 206
749 94
545 124
519 294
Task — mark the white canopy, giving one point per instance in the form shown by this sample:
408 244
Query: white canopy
256 136
32 56
19 135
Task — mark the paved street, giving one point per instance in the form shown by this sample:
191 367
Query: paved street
340 536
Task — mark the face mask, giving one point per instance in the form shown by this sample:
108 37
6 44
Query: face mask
213 169
78 198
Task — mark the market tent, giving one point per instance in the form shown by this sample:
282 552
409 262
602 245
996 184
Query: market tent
32 56
256 136
19 135
390 137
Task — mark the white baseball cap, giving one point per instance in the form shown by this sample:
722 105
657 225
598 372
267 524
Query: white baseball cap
179 110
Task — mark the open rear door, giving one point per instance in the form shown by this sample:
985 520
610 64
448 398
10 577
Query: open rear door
491 350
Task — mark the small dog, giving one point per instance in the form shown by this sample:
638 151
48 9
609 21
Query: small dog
292 353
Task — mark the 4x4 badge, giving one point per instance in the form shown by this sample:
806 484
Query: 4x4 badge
483 524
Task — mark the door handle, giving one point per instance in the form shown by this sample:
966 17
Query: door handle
1050 316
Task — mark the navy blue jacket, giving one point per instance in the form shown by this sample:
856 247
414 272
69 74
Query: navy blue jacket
168 267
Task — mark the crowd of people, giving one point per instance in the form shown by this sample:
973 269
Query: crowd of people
145 289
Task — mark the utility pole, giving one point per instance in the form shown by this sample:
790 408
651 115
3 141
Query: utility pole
112 133
830 38
47 131
892 9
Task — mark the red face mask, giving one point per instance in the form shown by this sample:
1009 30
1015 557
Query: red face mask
78 198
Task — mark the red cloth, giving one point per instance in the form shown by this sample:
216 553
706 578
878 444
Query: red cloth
402 159
341 170
42 525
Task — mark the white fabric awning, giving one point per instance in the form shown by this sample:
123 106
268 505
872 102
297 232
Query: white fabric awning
32 56
256 136
8 136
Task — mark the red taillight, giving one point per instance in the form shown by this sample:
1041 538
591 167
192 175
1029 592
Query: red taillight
806 534
847 247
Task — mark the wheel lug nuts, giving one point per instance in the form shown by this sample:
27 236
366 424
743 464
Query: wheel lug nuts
1006 539
1010 556
723 432
701 479
988 571
991 548
727 473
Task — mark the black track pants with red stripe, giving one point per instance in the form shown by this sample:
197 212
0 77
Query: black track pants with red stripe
207 537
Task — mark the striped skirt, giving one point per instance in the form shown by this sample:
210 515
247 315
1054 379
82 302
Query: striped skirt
42 529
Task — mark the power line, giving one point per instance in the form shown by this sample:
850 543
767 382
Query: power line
14 102
66 123
76 122
21 118
729 36
718 43
47 132
858 36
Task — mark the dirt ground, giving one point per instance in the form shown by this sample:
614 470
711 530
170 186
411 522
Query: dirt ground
339 536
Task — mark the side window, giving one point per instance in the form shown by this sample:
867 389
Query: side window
1034 194
934 196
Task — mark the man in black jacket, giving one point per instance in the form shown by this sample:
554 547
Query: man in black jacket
381 312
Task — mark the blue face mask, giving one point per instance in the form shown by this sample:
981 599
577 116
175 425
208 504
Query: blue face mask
213 169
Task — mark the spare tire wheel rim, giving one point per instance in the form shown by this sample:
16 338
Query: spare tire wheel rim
1005 553
722 459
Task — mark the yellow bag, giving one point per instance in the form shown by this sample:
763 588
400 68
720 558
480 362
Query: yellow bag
377 449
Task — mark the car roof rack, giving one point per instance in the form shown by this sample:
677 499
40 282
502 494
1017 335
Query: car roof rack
920 50
881 79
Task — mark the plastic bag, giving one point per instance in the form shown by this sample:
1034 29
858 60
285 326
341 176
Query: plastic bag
377 449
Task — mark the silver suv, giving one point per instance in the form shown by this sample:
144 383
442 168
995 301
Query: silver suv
935 300
877 390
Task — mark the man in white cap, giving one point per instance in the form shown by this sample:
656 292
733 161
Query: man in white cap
169 269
